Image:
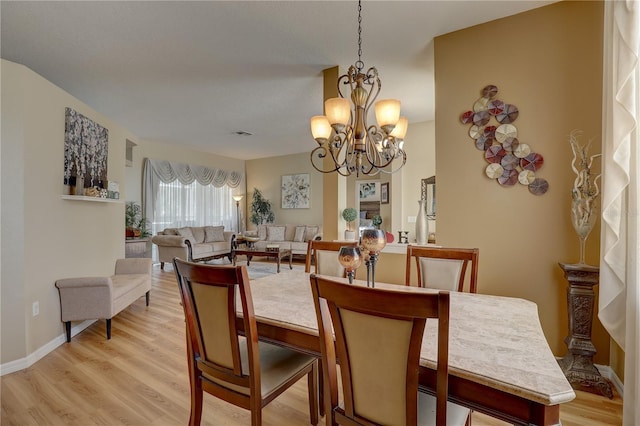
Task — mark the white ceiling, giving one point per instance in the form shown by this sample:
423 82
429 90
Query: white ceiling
194 73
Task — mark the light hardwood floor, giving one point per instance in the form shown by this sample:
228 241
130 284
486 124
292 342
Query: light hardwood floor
139 377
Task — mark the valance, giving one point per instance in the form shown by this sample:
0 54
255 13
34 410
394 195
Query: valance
169 171
156 171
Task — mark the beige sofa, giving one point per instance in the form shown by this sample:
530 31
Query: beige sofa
104 297
193 243
293 237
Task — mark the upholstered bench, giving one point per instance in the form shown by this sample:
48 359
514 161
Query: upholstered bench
104 297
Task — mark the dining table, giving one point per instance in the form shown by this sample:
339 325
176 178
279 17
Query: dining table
500 363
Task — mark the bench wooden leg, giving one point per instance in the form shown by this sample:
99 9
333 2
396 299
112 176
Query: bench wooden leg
67 327
147 296
108 328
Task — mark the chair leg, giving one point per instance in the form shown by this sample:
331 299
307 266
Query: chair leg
196 404
67 328
147 296
320 389
256 417
162 265
312 384
108 328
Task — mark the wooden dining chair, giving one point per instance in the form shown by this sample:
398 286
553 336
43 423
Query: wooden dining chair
234 368
442 268
324 255
378 339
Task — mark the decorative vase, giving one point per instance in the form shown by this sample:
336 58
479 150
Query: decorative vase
79 185
372 241
422 226
583 218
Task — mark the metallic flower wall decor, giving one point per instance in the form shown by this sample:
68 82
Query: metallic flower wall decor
510 161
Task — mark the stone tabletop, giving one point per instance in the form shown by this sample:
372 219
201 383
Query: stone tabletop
495 341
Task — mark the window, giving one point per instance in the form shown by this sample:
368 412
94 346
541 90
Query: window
179 205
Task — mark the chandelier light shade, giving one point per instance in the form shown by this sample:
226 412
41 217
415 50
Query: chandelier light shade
338 111
320 127
387 114
344 135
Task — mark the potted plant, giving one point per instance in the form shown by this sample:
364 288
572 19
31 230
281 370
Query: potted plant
260 209
135 224
377 221
349 214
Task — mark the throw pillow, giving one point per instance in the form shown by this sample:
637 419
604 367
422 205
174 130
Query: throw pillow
275 233
310 232
186 232
262 232
363 214
198 234
213 234
300 231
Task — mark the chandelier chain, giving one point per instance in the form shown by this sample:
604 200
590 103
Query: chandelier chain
360 64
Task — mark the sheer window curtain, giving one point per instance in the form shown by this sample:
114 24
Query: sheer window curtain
176 195
619 301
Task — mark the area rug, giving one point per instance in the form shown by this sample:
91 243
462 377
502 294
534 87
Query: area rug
260 269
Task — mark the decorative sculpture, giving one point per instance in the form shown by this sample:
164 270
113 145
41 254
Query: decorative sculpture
585 192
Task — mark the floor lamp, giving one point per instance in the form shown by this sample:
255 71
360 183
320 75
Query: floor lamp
237 199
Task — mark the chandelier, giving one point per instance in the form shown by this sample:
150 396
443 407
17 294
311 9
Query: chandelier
343 134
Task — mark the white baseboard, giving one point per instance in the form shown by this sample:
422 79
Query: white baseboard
41 352
608 373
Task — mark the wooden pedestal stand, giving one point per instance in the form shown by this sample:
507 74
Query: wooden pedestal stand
577 364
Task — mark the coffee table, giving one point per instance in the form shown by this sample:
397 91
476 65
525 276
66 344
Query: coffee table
278 254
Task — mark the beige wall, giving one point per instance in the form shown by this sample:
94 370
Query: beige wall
420 144
548 62
64 238
43 236
266 175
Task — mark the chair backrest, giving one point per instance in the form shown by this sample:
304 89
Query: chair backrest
443 268
208 294
378 338
325 257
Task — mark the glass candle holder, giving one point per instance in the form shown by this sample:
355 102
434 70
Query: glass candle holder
373 240
350 258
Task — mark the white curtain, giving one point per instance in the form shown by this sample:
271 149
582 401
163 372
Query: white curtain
619 301
176 195
156 171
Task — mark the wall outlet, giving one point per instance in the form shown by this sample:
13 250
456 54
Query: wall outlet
411 219
35 308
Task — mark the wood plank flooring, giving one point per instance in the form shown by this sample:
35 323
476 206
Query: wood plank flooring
139 377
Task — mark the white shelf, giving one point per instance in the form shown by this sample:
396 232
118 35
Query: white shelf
93 199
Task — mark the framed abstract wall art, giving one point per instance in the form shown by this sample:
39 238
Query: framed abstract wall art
296 191
85 151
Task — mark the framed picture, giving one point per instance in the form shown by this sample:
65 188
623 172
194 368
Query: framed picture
384 193
369 190
85 151
296 191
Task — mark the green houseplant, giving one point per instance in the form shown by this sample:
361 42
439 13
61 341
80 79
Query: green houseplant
135 223
260 209
377 221
349 215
